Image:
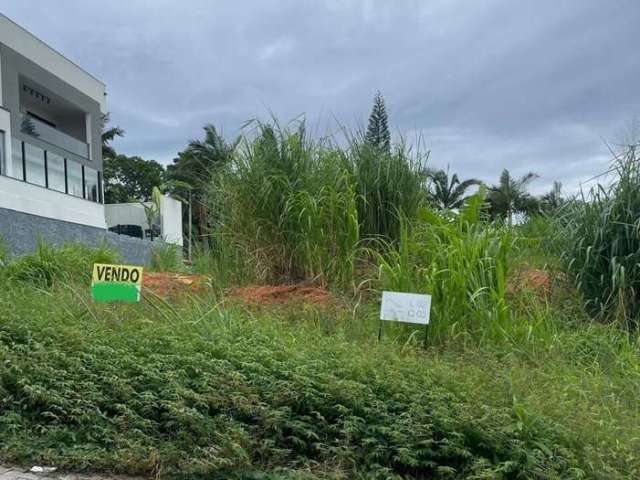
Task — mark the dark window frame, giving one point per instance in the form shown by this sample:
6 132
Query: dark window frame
99 195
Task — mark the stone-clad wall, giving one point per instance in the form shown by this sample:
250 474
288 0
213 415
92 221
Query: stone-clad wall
19 232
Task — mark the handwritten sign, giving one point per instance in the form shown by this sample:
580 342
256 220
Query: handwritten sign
116 283
405 307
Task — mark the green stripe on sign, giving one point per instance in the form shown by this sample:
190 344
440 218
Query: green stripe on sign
115 292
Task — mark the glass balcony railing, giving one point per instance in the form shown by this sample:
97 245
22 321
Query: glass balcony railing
34 127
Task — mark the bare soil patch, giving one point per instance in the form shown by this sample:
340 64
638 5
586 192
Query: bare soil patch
173 285
274 294
535 280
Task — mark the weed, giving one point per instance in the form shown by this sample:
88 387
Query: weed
165 257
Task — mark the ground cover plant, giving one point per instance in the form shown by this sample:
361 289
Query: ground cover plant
197 389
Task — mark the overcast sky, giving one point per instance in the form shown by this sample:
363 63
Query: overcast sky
525 85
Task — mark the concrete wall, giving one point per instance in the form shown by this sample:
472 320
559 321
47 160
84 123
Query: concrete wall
171 211
125 214
133 214
36 200
20 233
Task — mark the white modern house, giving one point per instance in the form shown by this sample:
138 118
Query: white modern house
51 151
50 131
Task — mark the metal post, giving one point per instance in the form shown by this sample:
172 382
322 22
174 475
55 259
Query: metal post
426 334
190 227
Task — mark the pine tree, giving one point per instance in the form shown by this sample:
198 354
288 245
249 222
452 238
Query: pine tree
378 135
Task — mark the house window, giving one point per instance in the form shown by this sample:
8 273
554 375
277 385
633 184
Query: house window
16 160
74 178
55 172
34 164
91 184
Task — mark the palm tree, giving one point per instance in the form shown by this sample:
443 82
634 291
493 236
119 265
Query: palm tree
108 135
196 166
510 195
552 200
448 192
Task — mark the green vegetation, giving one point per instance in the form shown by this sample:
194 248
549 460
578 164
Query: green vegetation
602 234
446 192
165 257
462 262
378 135
512 380
69 263
209 388
130 179
297 208
126 179
510 196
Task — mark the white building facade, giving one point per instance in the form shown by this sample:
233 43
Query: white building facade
50 132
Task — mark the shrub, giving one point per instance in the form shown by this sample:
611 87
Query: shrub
71 262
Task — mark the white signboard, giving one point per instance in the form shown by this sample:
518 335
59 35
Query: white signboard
405 307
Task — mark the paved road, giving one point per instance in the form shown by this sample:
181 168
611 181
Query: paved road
16 473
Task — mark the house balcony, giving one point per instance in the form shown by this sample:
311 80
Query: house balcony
36 128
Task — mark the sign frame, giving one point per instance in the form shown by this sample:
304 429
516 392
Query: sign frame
405 307
116 283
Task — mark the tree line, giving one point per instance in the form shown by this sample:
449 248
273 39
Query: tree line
133 178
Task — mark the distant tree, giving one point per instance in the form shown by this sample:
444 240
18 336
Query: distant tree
130 179
552 200
510 196
196 166
108 135
378 135
448 192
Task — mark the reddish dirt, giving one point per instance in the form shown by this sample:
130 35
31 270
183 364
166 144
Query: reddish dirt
532 279
173 285
270 294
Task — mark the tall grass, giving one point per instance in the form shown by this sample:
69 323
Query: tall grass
299 208
165 257
287 204
602 243
387 184
68 263
462 261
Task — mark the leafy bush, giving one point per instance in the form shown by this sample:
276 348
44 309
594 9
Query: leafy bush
602 249
71 262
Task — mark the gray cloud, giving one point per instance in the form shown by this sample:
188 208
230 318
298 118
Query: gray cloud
488 85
